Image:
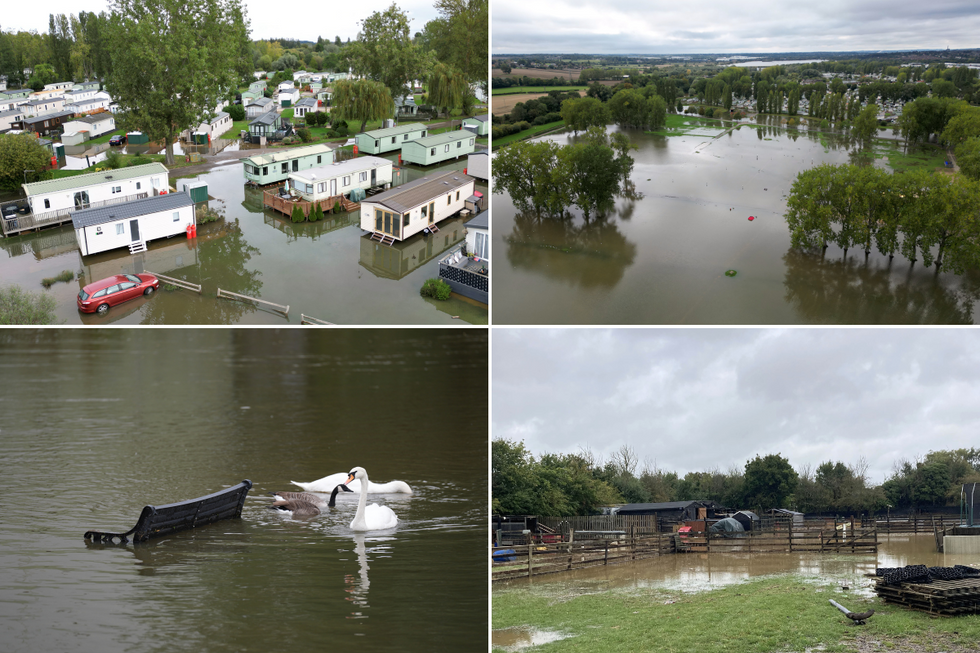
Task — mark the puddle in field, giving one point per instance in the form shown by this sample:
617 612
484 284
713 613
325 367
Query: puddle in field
517 639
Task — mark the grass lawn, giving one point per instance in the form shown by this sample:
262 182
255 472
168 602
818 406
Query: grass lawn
105 137
235 129
930 157
513 90
679 124
768 615
527 133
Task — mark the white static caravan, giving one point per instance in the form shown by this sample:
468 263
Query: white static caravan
478 165
406 210
132 224
324 182
95 189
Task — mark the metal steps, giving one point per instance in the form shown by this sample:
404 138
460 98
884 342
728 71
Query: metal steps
383 238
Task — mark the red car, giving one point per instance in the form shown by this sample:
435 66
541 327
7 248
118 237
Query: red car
99 296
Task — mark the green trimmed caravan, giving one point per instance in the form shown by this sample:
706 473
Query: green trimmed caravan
379 141
274 167
439 148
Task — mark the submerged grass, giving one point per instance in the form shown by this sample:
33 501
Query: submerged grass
682 124
767 615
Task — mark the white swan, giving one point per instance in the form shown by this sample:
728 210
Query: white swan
328 483
373 517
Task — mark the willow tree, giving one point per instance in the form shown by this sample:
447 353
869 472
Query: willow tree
362 100
172 61
447 88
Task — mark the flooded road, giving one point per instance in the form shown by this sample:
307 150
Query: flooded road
99 423
328 270
662 259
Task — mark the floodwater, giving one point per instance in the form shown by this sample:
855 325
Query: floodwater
327 270
97 424
698 572
662 259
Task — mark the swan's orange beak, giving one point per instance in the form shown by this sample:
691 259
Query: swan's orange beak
350 477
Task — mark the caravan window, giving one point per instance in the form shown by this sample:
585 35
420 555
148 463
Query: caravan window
285 168
447 147
449 199
471 141
295 165
363 176
432 152
120 228
116 189
176 216
347 180
394 139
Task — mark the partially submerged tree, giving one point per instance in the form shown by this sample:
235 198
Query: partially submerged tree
362 100
172 61
18 306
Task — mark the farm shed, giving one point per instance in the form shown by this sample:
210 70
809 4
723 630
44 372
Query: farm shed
441 147
274 167
406 210
132 223
379 141
673 510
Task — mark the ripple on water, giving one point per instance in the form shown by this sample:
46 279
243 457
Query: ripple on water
519 638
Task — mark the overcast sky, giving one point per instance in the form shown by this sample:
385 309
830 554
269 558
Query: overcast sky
698 399
270 18
662 26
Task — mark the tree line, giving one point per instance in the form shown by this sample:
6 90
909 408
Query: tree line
917 213
563 485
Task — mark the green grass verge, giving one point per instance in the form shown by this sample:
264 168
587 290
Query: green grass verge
235 130
681 124
527 133
768 615
925 156
514 90
104 138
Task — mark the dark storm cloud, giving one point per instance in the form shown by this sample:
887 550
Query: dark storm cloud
750 26
697 399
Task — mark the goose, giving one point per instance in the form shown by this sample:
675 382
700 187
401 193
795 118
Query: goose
304 504
328 483
373 517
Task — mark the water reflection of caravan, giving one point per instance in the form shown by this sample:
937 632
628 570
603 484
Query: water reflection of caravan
396 261
173 258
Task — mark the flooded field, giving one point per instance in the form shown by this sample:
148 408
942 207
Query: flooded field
680 574
698 572
328 270
662 259
99 423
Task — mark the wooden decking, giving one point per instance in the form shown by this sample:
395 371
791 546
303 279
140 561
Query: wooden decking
285 205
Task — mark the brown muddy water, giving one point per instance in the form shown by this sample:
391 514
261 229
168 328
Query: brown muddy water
662 259
328 269
98 423
698 572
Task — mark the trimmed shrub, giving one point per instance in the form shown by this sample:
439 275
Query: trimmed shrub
298 215
304 134
436 288
236 112
113 160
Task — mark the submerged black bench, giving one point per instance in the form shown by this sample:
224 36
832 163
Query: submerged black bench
155 521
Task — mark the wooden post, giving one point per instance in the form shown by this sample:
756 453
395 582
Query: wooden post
707 537
530 547
790 529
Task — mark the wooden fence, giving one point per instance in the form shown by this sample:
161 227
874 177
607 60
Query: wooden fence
233 295
915 523
537 559
612 545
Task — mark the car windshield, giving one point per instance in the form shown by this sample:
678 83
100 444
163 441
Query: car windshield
82 295
133 278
